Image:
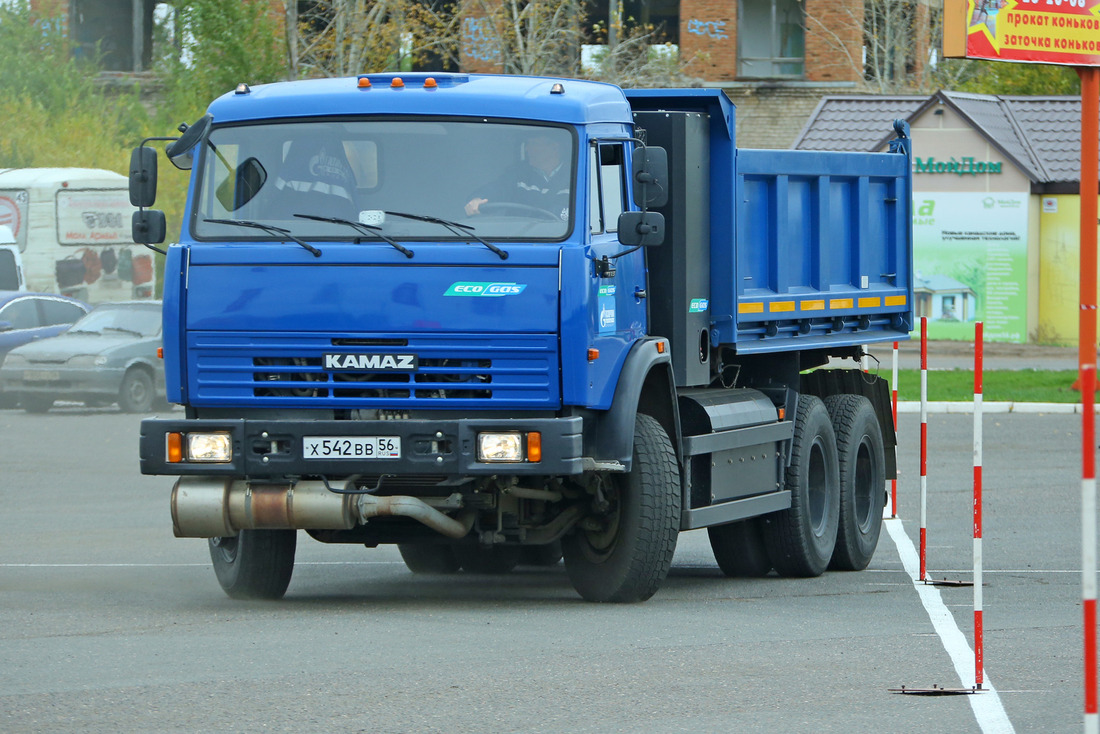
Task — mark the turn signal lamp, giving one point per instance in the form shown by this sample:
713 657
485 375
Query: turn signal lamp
430 83
175 448
593 354
364 83
660 347
534 446
397 83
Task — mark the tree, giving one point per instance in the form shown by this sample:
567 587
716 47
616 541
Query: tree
346 37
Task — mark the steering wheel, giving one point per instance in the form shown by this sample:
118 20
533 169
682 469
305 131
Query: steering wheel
508 208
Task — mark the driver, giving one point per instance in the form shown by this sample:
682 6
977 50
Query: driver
541 180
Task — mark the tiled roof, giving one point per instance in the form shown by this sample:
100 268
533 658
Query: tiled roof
854 122
1041 135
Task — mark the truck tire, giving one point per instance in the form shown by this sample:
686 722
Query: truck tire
428 557
498 559
739 549
257 564
800 540
136 393
862 463
628 555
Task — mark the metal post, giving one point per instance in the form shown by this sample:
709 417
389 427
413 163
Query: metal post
923 446
979 643
1086 354
894 400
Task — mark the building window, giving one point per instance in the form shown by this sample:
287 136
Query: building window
771 39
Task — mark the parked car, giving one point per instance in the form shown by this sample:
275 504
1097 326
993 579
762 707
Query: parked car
27 317
108 356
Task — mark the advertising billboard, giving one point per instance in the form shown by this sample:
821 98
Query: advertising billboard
1031 31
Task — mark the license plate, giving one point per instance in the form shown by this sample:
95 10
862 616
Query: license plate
40 375
351 447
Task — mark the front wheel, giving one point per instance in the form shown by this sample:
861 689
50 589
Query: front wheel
136 393
256 564
622 551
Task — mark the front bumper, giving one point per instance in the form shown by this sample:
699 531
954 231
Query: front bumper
274 448
61 381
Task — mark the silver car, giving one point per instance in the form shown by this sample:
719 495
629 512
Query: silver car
109 356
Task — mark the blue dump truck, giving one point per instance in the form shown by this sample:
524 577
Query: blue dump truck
502 320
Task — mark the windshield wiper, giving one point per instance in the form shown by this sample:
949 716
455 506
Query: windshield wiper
368 229
270 229
462 230
124 330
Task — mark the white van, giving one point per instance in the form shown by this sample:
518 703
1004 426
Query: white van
11 262
71 227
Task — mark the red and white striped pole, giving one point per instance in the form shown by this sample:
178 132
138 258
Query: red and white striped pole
978 638
894 400
1086 361
923 445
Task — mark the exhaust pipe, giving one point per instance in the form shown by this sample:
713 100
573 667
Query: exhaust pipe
205 507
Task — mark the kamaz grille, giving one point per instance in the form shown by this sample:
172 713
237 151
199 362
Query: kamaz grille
470 371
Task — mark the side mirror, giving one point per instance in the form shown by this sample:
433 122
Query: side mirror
650 173
148 226
179 151
246 182
143 176
641 228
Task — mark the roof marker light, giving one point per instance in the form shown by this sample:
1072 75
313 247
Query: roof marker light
364 83
242 88
557 88
397 83
430 83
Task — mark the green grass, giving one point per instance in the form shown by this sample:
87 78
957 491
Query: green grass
1025 386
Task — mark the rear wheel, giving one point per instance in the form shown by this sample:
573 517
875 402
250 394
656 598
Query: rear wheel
739 549
622 552
497 559
256 564
800 540
862 480
428 557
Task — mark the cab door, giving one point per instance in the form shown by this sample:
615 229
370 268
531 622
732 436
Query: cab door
618 311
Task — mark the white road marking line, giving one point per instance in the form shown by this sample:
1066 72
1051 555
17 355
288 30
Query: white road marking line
987 707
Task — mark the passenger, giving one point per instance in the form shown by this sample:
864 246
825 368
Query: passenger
316 179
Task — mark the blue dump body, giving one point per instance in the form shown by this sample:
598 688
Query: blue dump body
470 314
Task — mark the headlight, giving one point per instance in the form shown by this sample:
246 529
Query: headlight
511 447
500 447
100 360
84 360
14 359
207 448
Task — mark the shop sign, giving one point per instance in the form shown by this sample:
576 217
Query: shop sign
964 167
1036 31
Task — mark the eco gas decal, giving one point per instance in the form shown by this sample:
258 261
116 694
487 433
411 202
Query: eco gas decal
698 305
465 288
606 304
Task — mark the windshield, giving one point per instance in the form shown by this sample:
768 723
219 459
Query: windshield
503 181
143 319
